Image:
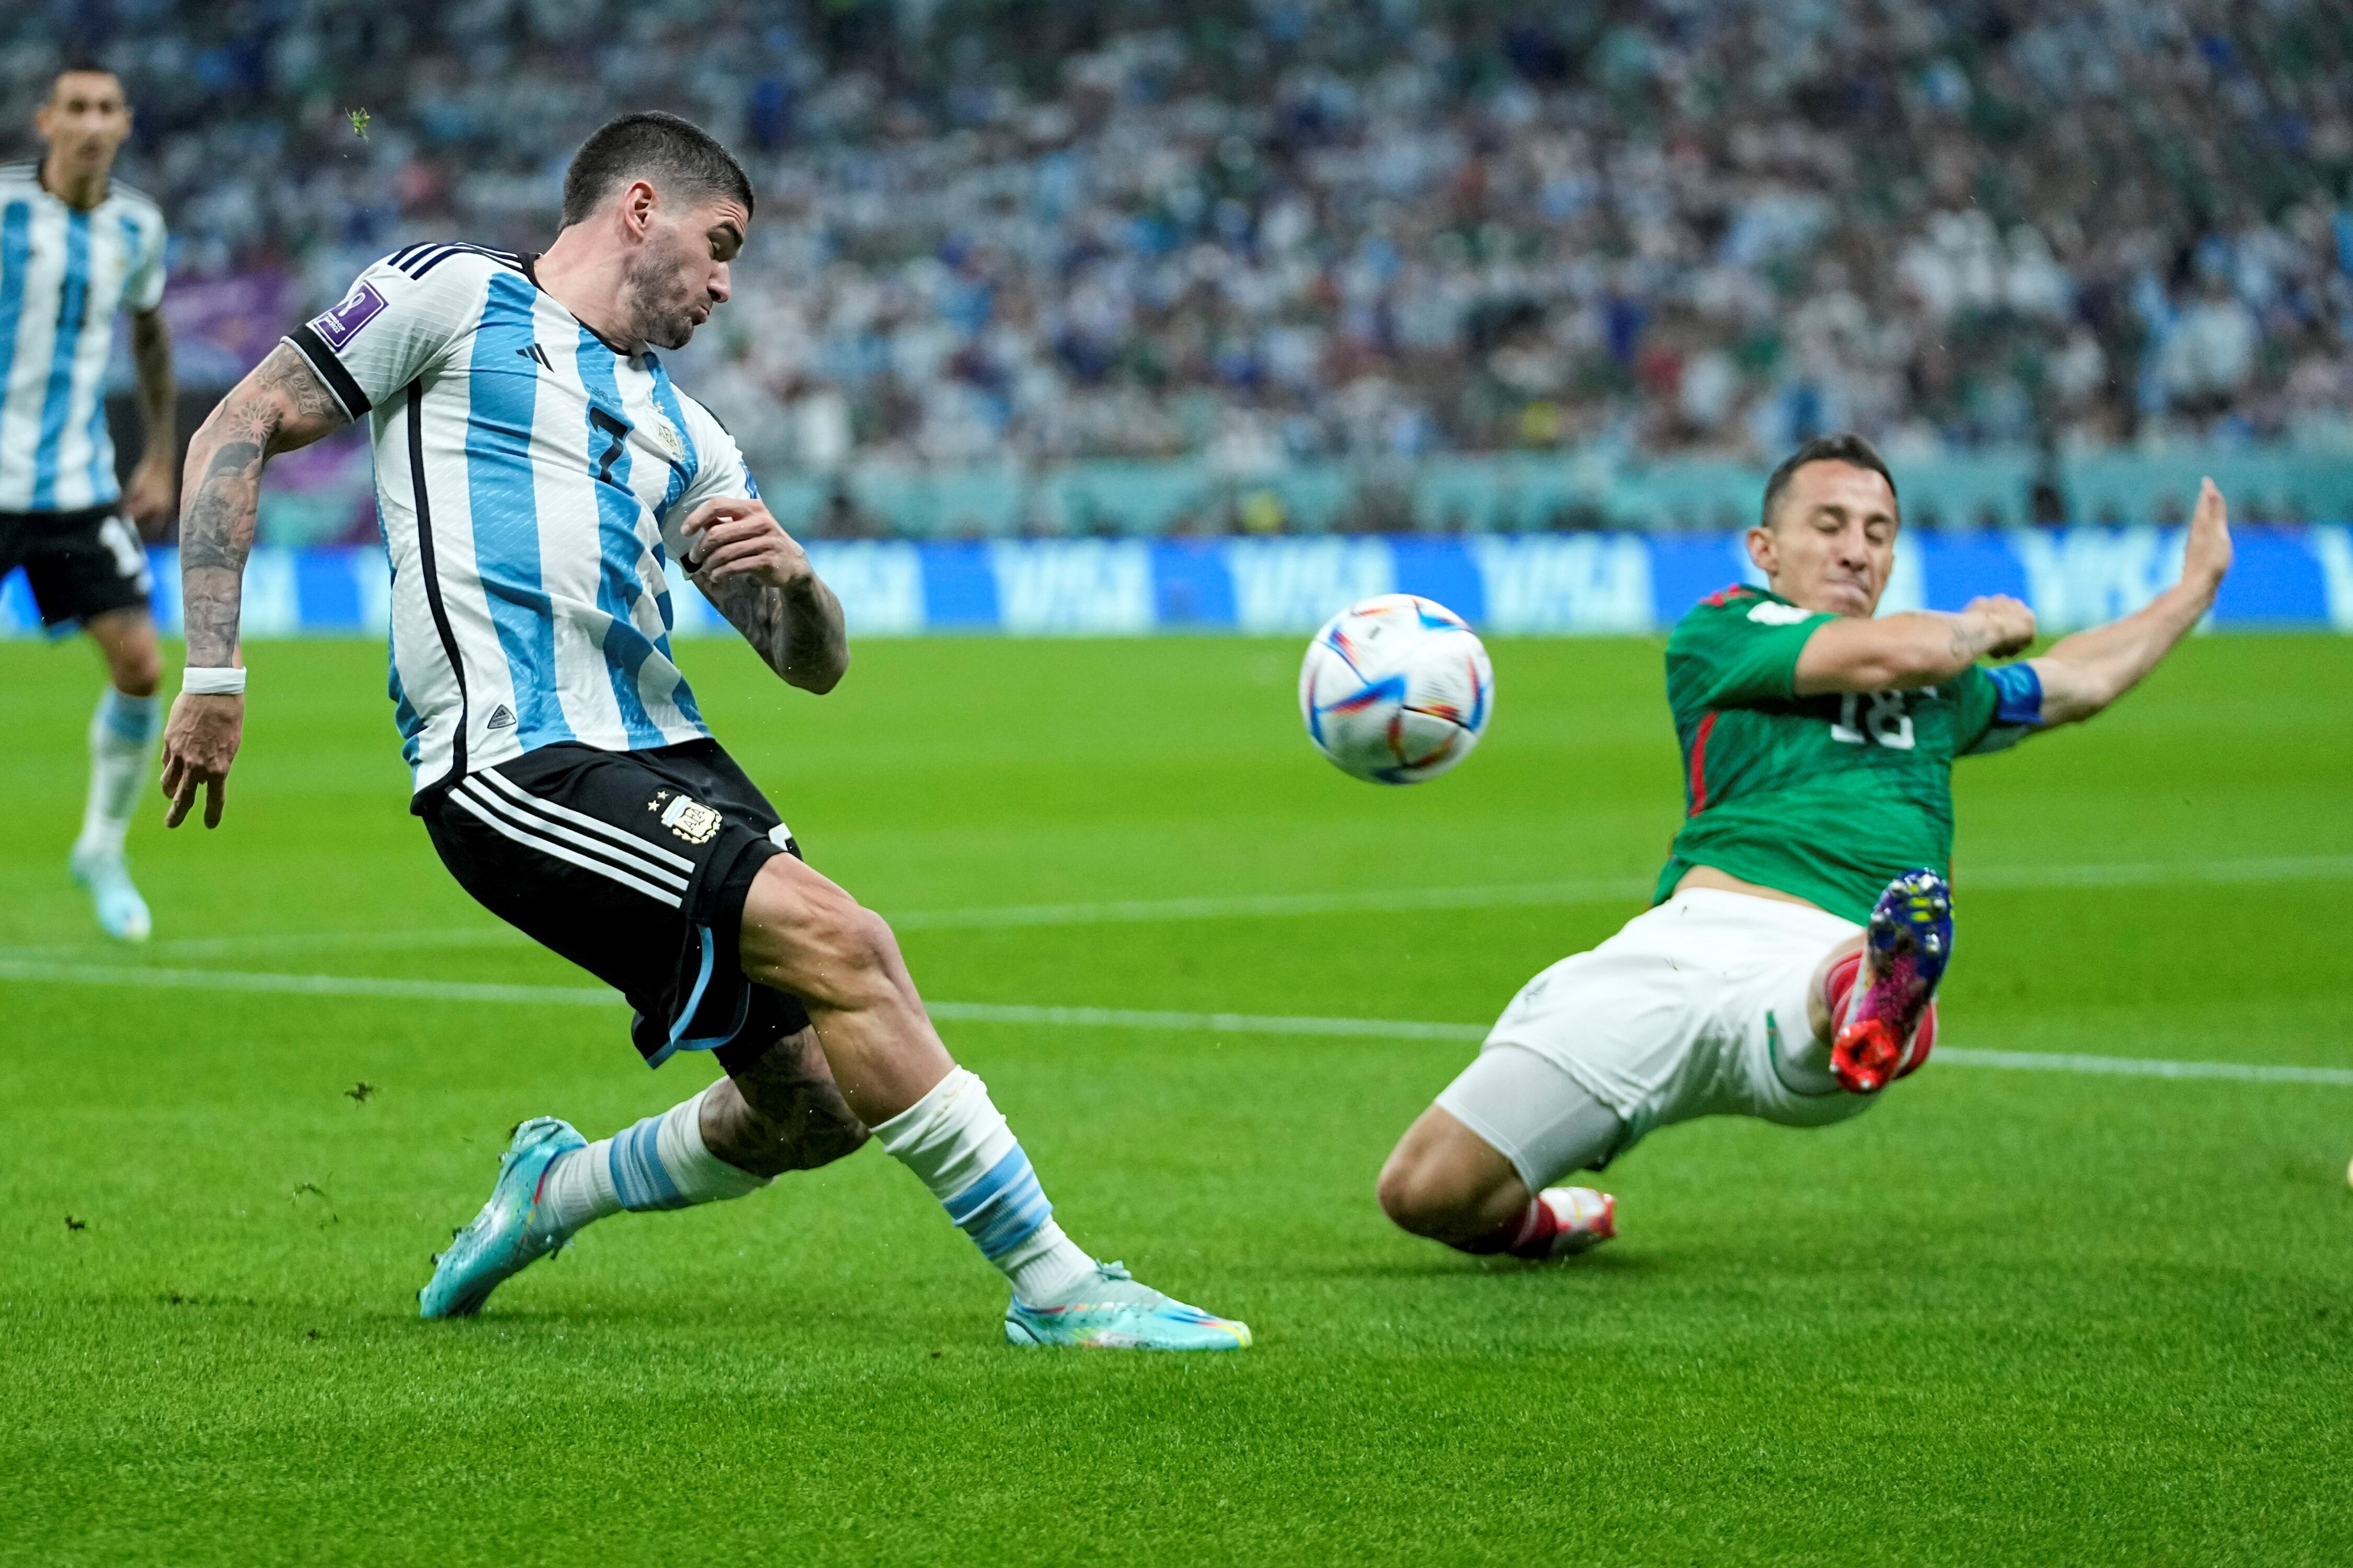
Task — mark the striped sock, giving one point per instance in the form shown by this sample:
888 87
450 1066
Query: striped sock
122 732
660 1163
956 1140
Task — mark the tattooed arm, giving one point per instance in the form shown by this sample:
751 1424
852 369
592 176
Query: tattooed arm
276 408
148 499
760 579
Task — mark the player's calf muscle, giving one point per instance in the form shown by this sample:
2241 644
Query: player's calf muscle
784 1112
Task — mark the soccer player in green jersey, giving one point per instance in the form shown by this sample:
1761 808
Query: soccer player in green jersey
1787 966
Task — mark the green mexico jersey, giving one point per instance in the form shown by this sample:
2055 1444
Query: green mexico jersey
1827 797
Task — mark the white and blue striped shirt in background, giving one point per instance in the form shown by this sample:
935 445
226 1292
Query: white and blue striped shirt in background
64 273
531 481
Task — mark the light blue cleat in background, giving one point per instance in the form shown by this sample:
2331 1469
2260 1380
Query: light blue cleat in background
120 910
1110 1310
509 1234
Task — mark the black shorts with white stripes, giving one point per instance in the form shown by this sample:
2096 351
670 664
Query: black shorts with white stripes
633 865
80 564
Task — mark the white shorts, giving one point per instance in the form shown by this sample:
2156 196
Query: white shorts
1693 1009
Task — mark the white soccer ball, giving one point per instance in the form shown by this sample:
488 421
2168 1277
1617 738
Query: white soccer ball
1395 689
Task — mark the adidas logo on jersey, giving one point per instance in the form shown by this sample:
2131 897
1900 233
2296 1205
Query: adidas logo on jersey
501 717
537 355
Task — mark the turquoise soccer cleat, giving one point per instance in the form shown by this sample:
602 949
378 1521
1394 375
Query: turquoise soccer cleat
509 1234
1111 1311
120 910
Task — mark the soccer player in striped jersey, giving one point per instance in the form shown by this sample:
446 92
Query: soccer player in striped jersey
1788 967
75 246
536 470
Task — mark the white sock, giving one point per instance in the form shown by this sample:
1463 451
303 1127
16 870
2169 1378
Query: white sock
660 1163
956 1140
121 733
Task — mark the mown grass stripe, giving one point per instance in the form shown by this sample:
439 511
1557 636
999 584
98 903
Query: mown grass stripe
1249 906
385 988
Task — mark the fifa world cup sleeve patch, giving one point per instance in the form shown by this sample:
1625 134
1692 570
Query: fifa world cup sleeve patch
2018 694
339 325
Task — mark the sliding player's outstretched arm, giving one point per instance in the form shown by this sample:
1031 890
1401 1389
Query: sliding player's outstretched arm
2082 674
760 578
1911 649
279 406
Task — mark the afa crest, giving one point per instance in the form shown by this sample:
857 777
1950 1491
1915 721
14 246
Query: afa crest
691 819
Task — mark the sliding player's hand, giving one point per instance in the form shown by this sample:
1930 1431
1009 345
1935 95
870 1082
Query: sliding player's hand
200 741
2207 554
2008 623
737 537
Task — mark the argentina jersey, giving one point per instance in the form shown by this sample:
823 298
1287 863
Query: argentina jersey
530 481
64 273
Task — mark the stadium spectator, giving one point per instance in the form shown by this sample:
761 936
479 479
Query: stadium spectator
1352 228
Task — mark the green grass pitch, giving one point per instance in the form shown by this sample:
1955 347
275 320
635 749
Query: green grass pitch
2009 1316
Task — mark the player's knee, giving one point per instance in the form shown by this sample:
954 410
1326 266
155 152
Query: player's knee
1416 1195
136 669
806 935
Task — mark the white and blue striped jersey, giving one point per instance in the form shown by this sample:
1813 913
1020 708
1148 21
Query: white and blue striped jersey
64 273
530 480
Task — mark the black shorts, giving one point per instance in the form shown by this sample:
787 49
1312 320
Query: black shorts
80 563
633 865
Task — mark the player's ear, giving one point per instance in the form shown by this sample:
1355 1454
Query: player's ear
637 203
1761 550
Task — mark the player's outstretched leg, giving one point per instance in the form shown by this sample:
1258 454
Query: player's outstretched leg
1471 1172
805 935
1886 1014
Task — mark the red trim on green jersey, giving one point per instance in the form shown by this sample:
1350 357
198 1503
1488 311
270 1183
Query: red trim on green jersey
1699 763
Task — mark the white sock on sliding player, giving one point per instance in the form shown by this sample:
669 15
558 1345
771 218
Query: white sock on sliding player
956 1140
660 1163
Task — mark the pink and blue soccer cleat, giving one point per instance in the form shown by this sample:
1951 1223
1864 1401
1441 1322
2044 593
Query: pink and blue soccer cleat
1889 1015
511 1233
1110 1310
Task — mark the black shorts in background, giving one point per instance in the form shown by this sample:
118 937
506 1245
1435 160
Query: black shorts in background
80 563
633 865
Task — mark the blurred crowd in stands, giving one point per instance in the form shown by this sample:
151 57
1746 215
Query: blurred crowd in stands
1258 233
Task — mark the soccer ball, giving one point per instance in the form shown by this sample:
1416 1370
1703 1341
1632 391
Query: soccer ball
1395 689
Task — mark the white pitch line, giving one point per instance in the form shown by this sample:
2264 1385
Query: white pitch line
1066 1017
2005 879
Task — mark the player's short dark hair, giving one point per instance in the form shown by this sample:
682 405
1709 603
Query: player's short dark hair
677 156
81 65
1845 447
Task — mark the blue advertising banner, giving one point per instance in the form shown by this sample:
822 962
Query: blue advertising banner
1541 584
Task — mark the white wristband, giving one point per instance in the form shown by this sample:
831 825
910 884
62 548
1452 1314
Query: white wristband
215 682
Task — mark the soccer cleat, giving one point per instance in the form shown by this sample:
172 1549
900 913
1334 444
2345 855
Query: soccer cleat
1909 942
509 1234
1110 1310
1583 1218
107 879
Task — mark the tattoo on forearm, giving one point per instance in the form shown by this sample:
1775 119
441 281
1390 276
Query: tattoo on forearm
281 405
799 634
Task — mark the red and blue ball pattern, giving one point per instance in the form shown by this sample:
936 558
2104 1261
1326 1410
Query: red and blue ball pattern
1395 689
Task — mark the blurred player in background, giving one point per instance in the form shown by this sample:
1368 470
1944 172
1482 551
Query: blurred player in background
1787 968
75 246
536 469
